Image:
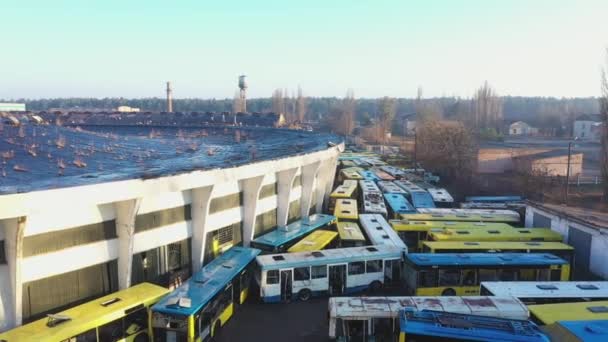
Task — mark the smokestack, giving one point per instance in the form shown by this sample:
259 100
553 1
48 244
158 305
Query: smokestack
243 88
169 98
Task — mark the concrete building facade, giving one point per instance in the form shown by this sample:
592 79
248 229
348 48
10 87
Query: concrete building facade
60 247
522 128
587 127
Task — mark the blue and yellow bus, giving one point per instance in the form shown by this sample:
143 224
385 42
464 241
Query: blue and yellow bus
315 241
196 310
347 190
578 331
397 205
459 274
346 210
369 175
280 239
430 325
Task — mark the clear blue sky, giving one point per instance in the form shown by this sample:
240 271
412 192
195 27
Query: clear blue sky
129 48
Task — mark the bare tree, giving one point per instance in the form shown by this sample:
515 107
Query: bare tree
387 109
487 109
278 102
604 128
426 110
301 106
341 118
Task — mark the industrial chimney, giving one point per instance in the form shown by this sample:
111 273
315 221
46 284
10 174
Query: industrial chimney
169 98
243 88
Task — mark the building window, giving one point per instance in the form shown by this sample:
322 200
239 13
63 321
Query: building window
268 190
220 240
164 265
297 181
265 222
162 218
294 211
226 202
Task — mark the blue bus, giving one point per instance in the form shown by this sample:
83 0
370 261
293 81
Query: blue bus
398 204
583 331
419 197
196 310
369 175
433 325
280 239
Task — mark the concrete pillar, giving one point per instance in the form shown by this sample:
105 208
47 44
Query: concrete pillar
126 212
251 193
329 185
285 180
199 209
309 172
12 285
325 174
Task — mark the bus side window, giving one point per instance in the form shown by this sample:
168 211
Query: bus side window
468 277
89 336
318 272
272 277
507 275
427 278
449 277
112 331
487 275
136 322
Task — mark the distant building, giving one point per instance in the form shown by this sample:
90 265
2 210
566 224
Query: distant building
12 107
588 127
127 109
551 163
522 128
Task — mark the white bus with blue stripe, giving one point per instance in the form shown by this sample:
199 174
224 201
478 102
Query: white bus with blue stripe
334 272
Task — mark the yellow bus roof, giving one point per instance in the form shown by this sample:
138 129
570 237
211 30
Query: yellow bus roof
460 217
348 163
582 311
316 241
405 225
498 245
351 173
350 231
345 190
495 234
88 315
346 209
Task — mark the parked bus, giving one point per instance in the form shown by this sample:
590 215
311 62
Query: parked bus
458 211
414 233
315 241
197 309
346 210
451 274
430 325
545 292
371 198
578 331
494 199
350 173
393 171
369 175
347 163
441 197
460 217
560 249
280 239
377 318
495 234
373 161
388 187
369 186
379 232
579 311
348 189
336 272
383 175
117 316
350 234
397 205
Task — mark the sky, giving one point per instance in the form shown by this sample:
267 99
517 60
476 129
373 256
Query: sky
118 48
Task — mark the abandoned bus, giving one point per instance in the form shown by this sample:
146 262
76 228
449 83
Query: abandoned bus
393 171
350 173
347 190
378 317
350 234
499 218
397 205
369 186
441 197
452 274
280 239
458 211
419 197
197 309
372 199
545 292
283 277
346 210
369 175
122 315
315 241
581 311
390 188
383 175
495 234
578 331
379 232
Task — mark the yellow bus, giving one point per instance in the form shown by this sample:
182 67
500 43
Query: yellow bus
495 234
459 274
560 249
350 234
347 163
120 316
581 311
346 210
414 233
316 241
461 217
348 189
350 173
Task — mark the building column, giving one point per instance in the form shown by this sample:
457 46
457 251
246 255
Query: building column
325 174
126 212
285 180
309 172
251 194
11 295
199 210
331 174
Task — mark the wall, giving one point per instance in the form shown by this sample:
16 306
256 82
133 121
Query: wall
500 160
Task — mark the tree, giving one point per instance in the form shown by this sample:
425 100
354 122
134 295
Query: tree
387 108
301 106
341 118
278 101
487 109
604 114
426 110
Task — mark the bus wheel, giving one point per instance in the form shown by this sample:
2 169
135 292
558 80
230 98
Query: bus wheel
448 292
375 286
142 338
304 295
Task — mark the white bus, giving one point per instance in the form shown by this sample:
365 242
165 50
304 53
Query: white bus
369 186
334 271
457 211
534 292
393 171
379 232
377 318
441 197
372 199
389 187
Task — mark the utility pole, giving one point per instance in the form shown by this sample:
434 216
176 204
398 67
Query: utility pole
567 188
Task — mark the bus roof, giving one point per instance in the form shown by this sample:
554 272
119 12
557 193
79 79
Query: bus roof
495 234
389 307
315 241
460 217
588 331
368 175
398 203
88 315
373 203
207 282
499 245
393 171
368 186
421 199
494 198
380 232
294 230
581 311
346 209
350 173
468 327
459 211
328 256
350 231
548 289
407 185
440 195
383 175
345 190
405 225
390 188
373 161
483 259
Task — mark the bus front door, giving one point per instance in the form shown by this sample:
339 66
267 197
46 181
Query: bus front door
286 285
337 280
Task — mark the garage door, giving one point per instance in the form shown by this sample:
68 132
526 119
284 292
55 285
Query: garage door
581 241
541 221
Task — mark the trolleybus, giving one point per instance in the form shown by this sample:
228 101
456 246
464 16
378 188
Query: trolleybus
280 239
500 218
397 205
390 188
458 211
347 190
315 241
546 292
495 234
350 234
578 331
441 197
576 311
346 210
369 175
379 232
